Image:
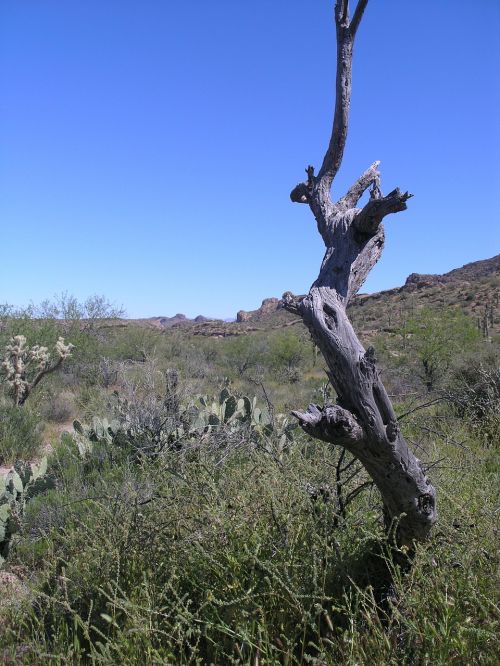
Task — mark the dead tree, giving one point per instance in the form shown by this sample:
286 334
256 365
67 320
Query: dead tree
363 420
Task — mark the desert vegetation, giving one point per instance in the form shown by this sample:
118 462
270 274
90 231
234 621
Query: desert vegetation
160 503
163 500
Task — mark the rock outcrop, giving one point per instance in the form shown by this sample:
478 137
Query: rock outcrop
422 280
268 306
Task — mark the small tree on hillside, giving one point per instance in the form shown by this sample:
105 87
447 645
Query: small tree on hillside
363 420
244 353
286 353
438 339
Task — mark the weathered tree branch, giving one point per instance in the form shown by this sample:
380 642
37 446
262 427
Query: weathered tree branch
302 192
357 16
370 217
335 151
363 420
357 190
329 423
342 10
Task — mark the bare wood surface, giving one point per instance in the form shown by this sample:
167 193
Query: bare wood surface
363 420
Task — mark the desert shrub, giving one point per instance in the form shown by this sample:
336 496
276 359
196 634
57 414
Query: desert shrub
58 407
108 372
92 400
193 362
244 353
130 343
474 392
208 555
210 348
20 434
436 339
36 331
232 567
68 308
148 408
287 352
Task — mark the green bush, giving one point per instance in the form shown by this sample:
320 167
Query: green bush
20 434
58 407
244 353
287 352
436 339
475 396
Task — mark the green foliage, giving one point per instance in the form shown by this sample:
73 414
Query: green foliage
16 488
133 344
213 555
245 353
437 339
191 529
287 351
475 395
20 434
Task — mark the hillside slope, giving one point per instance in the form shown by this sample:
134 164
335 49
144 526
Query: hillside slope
474 288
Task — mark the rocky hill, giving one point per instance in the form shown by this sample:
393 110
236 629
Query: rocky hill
177 321
475 288
471 273
268 306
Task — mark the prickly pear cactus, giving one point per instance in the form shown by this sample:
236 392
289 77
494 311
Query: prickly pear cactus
228 410
101 430
16 488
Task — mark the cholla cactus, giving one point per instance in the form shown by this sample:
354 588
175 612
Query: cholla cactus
63 349
25 366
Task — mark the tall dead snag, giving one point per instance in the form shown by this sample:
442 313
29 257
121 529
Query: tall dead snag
363 420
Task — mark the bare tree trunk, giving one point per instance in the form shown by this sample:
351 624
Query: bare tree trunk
363 420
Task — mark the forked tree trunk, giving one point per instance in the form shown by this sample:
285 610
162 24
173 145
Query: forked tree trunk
363 420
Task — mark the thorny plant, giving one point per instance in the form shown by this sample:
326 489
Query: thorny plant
24 367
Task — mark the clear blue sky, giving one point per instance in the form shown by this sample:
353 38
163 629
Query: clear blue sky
148 147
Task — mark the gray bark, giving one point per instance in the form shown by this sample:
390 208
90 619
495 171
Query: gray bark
363 420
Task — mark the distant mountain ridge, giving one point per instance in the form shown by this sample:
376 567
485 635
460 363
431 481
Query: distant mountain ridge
177 321
272 307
